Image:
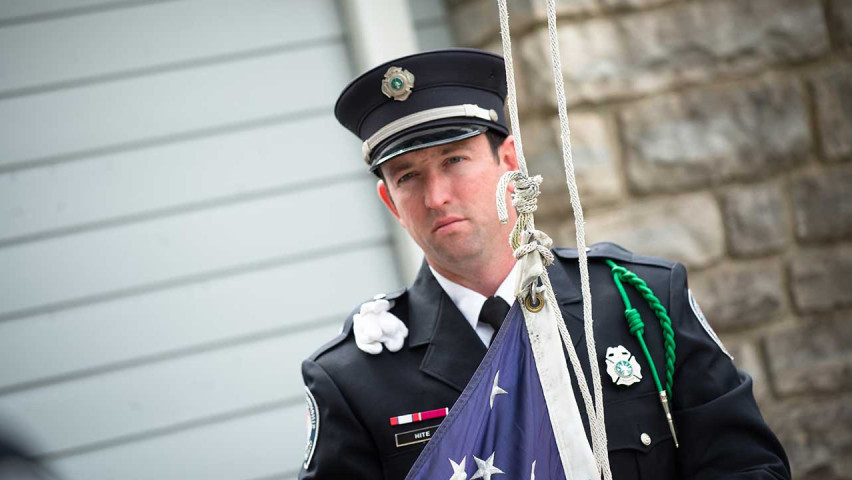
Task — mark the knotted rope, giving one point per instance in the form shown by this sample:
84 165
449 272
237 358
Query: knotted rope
637 327
525 201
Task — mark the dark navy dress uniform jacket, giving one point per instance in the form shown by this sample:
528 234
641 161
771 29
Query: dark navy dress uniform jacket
720 429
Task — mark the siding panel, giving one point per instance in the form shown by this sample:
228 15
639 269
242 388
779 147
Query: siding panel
10 9
159 107
241 449
121 40
161 395
169 176
147 326
198 243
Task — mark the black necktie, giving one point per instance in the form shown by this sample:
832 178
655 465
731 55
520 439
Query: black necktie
493 313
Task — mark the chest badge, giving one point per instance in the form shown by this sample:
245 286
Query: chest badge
622 366
397 83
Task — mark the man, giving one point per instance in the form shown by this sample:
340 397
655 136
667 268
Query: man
434 133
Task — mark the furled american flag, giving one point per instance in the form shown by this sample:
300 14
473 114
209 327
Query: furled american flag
500 425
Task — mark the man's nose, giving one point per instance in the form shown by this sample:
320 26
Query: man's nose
437 191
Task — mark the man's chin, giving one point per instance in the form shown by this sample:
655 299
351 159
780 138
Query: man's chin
457 252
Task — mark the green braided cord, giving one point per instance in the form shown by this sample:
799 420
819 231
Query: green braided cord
637 329
622 274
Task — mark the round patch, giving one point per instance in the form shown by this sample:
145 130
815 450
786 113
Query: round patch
705 324
311 426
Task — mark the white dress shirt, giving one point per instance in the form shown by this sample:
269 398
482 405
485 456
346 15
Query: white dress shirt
470 303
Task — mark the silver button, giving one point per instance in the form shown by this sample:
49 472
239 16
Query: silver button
646 439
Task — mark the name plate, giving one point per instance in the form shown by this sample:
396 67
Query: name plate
415 436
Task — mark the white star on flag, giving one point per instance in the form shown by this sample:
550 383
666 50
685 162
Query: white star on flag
495 389
485 468
458 470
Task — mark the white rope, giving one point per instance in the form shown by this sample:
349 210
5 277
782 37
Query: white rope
511 99
525 200
599 439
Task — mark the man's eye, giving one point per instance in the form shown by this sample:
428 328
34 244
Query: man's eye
405 177
454 159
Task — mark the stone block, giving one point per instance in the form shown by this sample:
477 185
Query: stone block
819 278
832 90
687 229
595 167
740 296
813 357
478 21
839 14
817 436
710 135
822 204
630 4
755 219
629 55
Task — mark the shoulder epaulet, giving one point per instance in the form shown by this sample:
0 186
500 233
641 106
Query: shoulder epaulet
615 252
347 324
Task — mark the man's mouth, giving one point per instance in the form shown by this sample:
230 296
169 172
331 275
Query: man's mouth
444 222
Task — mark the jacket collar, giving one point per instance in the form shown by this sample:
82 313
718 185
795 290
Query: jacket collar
454 351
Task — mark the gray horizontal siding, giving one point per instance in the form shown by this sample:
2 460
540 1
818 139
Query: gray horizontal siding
253 446
22 11
129 41
124 332
134 185
104 409
142 111
181 222
175 250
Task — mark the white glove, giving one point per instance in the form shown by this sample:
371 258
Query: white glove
375 326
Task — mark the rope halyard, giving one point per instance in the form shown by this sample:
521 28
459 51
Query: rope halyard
579 225
526 239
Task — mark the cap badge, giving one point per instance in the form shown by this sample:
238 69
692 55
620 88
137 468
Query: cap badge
397 83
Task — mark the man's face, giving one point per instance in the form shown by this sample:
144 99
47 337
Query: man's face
444 196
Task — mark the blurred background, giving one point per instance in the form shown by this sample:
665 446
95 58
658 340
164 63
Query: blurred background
182 221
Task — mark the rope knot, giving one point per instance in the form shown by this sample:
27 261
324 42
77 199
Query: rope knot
536 241
525 197
634 321
527 190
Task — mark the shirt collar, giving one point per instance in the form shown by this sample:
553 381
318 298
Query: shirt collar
470 302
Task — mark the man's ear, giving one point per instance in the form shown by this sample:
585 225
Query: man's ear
382 190
506 153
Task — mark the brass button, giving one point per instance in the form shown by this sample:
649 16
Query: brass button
645 438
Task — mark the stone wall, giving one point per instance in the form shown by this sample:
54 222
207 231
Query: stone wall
717 133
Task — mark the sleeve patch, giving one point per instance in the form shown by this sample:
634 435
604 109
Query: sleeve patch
705 324
311 427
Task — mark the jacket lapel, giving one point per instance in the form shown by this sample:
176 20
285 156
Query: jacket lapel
454 350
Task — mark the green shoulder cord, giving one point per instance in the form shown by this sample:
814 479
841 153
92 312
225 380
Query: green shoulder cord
637 329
